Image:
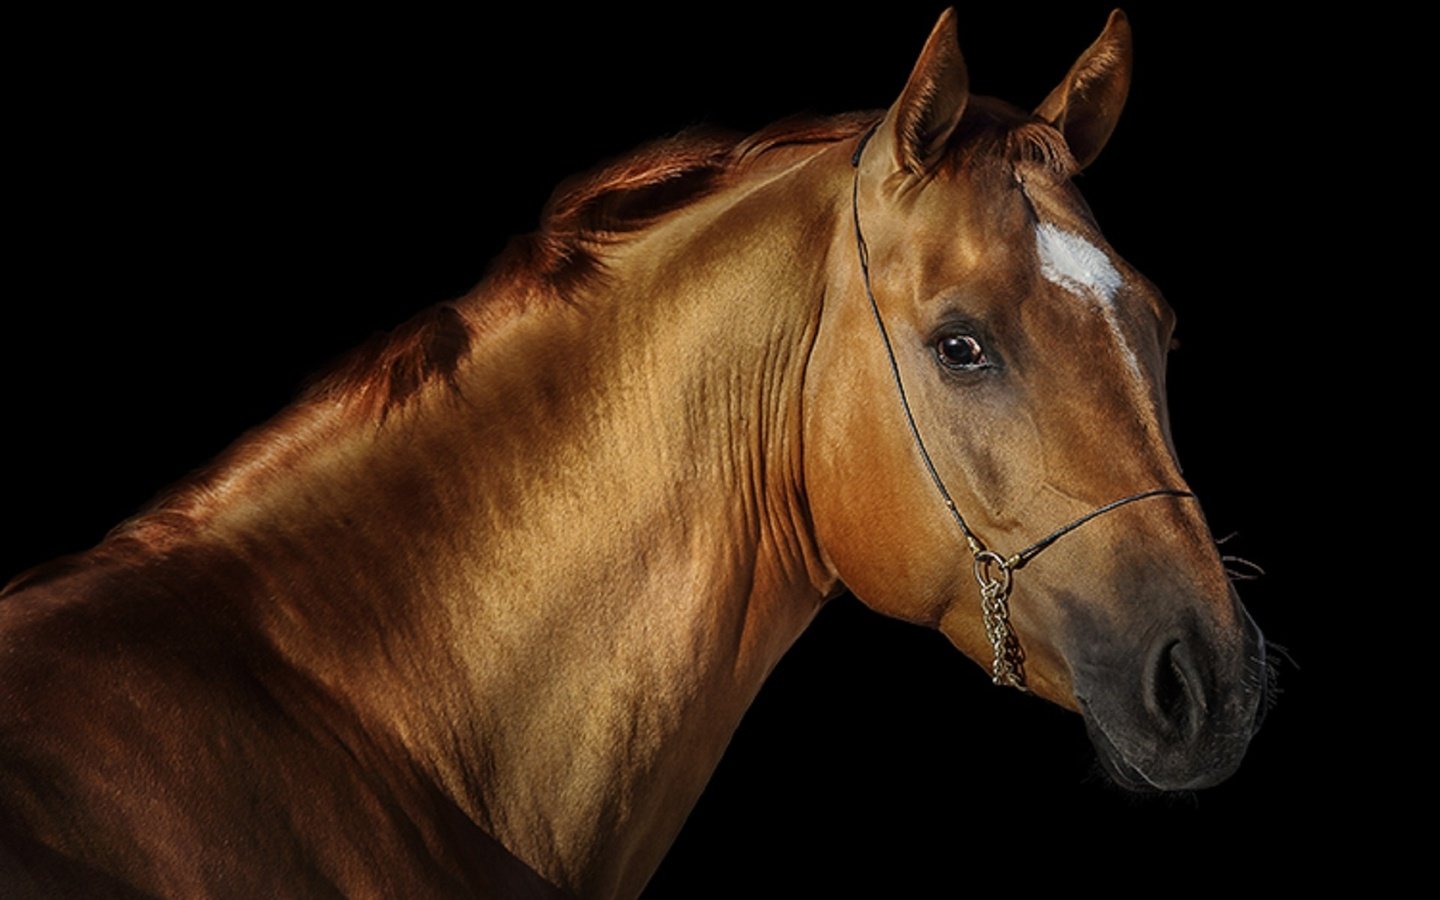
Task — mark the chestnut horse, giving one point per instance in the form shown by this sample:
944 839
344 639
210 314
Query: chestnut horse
478 614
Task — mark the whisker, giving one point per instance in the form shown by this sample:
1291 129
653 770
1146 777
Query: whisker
1274 656
1255 569
1271 646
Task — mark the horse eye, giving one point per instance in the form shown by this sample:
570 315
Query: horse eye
960 351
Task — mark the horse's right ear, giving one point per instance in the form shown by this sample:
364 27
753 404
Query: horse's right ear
917 126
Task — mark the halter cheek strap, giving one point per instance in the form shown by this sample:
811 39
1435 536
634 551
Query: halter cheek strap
993 572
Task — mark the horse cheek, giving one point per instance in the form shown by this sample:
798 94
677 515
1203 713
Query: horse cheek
868 500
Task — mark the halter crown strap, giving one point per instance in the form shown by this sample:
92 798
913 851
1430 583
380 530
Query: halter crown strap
993 572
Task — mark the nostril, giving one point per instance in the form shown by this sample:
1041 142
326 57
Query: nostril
1175 696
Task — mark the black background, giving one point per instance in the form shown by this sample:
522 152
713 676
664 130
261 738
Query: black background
204 212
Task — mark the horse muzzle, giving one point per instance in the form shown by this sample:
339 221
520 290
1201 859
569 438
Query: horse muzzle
1185 720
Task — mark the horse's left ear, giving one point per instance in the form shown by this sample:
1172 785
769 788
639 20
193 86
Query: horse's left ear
1086 105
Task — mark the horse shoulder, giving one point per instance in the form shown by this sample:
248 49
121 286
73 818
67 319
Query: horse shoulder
151 741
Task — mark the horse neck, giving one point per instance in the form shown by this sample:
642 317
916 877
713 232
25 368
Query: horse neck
560 588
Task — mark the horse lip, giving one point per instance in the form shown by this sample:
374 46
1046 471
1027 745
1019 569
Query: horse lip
1125 773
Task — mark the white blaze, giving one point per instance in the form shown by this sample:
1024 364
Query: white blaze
1077 265
1083 269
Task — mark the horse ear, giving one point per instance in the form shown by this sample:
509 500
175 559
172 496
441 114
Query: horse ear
1086 105
929 108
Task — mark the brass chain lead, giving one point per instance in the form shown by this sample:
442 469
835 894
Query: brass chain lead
1007 667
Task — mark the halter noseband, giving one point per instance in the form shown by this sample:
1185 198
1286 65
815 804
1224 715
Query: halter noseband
994 573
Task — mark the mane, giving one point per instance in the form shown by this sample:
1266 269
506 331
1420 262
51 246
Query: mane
584 214
590 211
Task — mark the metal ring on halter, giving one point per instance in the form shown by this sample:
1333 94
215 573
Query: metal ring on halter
985 561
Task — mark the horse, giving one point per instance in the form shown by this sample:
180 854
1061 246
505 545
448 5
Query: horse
478 613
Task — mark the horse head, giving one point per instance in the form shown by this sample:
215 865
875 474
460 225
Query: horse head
1018 370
